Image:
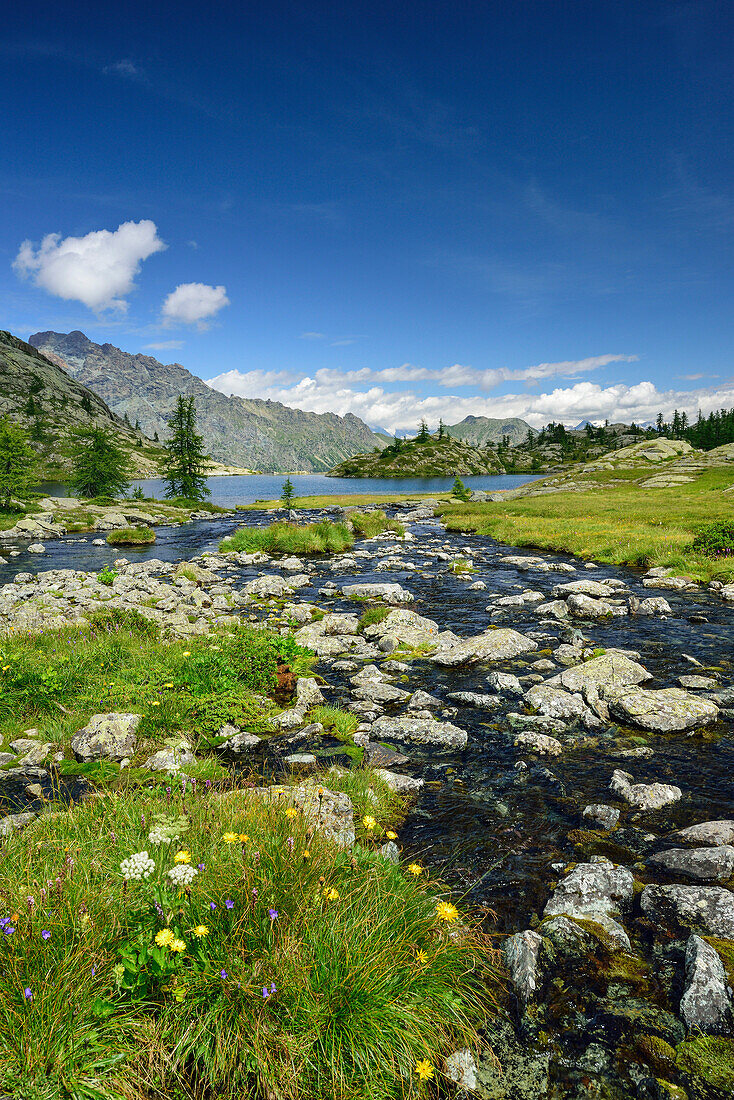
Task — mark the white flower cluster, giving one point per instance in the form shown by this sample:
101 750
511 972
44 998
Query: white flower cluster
138 866
157 835
183 874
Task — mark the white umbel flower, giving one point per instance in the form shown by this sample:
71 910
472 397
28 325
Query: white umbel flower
183 874
138 866
158 836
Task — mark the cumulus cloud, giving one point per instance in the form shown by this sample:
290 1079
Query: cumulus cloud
194 304
332 391
164 345
98 270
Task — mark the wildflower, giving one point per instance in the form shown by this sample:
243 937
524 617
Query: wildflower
182 857
183 874
200 866
212 905
164 937
415 868
446 911
155 703
306 853
4 921
424 1069
27 994
229 904
200 931
45 935
290 843
244 838
186 653
291 811
168 685
421 958
230 838
138 866
391 835
8 930
269 992
273 914
222 973
177 945
331 894
368 822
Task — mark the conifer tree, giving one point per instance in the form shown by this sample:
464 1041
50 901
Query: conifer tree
18 463
99 467
185 465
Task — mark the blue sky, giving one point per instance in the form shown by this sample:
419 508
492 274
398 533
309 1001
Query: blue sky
434 209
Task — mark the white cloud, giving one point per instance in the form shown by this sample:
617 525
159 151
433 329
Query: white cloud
332 391
312 336
98 270
125 67
193 304
164 345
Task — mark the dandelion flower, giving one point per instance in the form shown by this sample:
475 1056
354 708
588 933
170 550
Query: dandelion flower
421 958
368 822
331 894
391 835
291 812
231 838
424 1069
186 653
200 931
182 857
168 685
164 937
306 853
415 868
155 703
446 911
177 945
244 838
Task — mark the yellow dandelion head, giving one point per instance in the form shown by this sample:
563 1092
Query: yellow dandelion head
421 958
391 835
164 937
182 857
306 853
291 812
231 838
446 911
177 945
244 838
415 868
331 894
200 931
187 653
368 822
424 1069
155 703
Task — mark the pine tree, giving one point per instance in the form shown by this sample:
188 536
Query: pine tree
423 436
440 429
287 494
99 467
86 404
18 463
185 465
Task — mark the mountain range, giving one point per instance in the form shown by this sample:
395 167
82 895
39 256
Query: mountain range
247 432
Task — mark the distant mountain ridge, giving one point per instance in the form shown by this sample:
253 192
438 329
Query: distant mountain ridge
479 430
40 395
260 435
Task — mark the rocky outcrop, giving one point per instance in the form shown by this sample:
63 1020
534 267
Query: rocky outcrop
705 909
107 737
500 644
419 731
667 710
705 1005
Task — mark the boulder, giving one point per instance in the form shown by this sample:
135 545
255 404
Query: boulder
535 722
586 607
475 699
239 743
390 593
643 796
521 958
331 812
410 629
505 683
601 816
705 909
107 737
666 710
568 937
654 605
539 742
308 694
13 822
461 1070
554 702
702 864
171 759
384 694
707 832
419 731
401 784
582 588
610 673
705 1005
595 892
500 644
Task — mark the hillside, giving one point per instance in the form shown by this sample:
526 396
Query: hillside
480 430
261 435
431 457
40 396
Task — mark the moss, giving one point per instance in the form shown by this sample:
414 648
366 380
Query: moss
371 616
131 536
709 1060
725 950
658 1054
598 843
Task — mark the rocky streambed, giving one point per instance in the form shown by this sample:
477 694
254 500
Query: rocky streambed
565 732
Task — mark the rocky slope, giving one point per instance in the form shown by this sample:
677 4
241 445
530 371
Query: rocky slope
260 435
480 430
37 393
432 458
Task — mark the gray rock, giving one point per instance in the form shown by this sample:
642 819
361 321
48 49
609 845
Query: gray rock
554 702
301 760
419 731
107 737
654 605
644 796
697 683
36 548
705 909
610 673
308 694
567 936
500 644
583 588
421 700
538 742
586 607
702 864
505 683
666 710
601 816
535 722
475 699
401 784
409 628
381 693
171 759
597 892
390 852
461 1069
238 744
555 609
705 1005
707 832
390 593
521 958
13 822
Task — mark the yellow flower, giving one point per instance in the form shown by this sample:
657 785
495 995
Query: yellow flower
5 668
200 931
244 838
164 937
231 838
331 894
391 835
421 958
415 868
368 822
182 857
306 853
177 945
168 685
446 911
291 812
424 1069
187 653
155 703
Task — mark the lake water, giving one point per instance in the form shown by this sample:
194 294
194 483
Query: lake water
247 488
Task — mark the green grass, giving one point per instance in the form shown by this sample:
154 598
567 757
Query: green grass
340 722
624 526
97 1010
372 615
710 1060
56 680
324 537
132 536
346 500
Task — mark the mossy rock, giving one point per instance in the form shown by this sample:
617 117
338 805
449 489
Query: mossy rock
657 1053
708 1064
597 843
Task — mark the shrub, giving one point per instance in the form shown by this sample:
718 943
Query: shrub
107 576
715 540
282 966
132 536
